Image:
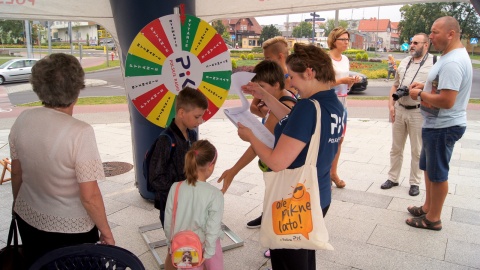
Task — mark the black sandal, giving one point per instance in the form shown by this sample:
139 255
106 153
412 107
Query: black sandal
423 223
416 211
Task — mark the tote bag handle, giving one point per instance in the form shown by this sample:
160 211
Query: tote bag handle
313 149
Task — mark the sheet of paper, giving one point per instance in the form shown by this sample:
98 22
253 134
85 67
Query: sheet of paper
242 114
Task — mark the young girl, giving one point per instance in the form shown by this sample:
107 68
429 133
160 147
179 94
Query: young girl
392 67
199 205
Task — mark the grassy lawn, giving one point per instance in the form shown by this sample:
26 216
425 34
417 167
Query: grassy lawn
3 60
114 63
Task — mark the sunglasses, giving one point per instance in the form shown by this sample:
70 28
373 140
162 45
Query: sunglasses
416 42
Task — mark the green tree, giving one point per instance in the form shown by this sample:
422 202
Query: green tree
227 38
268 32
219 26
330 24
418 18
10 29
304 29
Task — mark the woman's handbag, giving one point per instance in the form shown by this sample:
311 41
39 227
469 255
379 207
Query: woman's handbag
12 256
292 215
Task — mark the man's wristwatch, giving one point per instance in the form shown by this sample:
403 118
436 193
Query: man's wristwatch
419 95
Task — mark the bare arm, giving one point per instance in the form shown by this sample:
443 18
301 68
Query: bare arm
254 108
93 202
445 99
16 179
347 80
285 152
275 106
228 175
391 103
249 155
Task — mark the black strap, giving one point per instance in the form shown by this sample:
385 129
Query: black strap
287 98
425 57
13 233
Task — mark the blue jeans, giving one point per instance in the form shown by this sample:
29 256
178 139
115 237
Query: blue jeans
437 151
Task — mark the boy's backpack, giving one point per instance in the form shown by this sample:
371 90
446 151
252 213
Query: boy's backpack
148 156
186 248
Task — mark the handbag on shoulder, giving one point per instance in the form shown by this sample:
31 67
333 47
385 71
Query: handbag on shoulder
292 215
12 256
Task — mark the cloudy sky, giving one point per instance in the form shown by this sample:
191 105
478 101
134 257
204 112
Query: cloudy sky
386 12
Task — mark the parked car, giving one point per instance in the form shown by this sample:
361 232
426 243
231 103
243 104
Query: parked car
360 86
16 70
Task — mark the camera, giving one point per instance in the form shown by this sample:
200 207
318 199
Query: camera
401 92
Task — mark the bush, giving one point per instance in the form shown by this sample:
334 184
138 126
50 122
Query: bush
243 56
374 74
243 68
234 64
358 57
365 56
257 50
250 56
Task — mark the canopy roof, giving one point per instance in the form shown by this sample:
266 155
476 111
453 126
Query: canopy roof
100 11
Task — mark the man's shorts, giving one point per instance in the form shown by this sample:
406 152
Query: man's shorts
437 151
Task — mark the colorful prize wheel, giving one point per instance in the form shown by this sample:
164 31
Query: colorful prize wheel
168 55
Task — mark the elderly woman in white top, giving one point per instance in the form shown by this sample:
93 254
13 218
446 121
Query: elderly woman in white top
56 165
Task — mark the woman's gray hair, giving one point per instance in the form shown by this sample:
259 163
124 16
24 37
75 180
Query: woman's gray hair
57 80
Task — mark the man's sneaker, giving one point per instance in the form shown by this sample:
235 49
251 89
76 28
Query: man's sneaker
256 223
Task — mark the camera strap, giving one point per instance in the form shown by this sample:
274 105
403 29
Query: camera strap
420 66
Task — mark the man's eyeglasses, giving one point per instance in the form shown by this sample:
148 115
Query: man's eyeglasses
416 42
343 39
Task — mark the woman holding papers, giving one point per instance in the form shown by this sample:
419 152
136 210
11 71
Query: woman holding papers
312 74
268 75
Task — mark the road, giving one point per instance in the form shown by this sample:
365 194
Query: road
115 87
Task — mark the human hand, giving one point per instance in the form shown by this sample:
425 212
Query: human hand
227 178
107 239
392 114
357 79
413 93
254 89
262 108
244 132
418 85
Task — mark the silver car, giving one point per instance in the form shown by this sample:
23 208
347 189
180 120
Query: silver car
16 70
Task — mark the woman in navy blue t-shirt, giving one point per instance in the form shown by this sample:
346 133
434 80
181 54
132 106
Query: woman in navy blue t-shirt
312 75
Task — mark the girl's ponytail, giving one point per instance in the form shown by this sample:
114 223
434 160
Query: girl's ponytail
201 154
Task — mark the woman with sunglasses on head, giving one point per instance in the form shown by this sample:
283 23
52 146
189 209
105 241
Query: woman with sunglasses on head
338 41
312 75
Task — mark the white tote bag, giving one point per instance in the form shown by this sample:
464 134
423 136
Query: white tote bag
292 216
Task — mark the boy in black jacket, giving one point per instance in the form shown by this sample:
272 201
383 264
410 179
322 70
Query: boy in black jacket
164 169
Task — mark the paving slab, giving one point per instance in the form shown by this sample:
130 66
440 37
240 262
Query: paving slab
366 224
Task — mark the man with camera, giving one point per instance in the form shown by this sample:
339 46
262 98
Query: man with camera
405 113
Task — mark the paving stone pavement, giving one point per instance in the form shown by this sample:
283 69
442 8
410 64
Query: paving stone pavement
366 224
